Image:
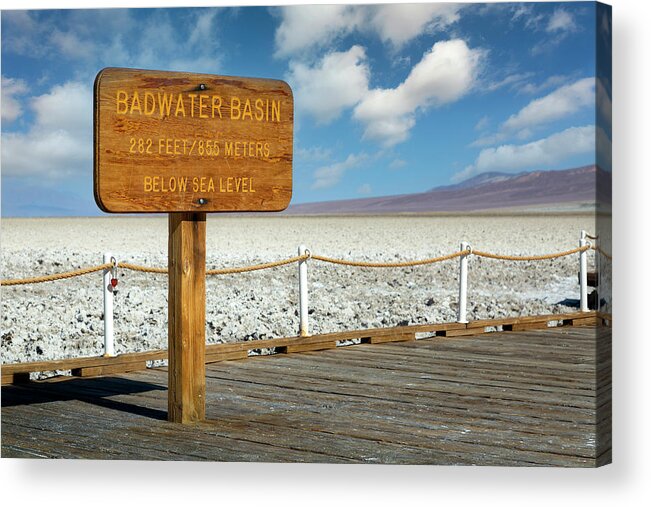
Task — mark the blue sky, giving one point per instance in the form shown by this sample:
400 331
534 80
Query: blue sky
389 99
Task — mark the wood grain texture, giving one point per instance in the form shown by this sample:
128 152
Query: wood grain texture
239 350
391 338
187 317
531 398
209 143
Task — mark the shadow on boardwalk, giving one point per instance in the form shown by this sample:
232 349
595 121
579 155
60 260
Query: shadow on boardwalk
539 397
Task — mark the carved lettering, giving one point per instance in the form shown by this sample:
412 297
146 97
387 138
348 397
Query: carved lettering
150 103
205 106
121 100
160 184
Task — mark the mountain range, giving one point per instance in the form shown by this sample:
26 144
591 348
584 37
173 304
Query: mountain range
547 190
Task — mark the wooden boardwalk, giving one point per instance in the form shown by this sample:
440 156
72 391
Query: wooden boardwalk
502 398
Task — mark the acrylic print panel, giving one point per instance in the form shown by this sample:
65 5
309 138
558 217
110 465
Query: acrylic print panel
437 292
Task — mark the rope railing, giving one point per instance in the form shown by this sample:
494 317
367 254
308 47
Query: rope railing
142 269
111 265
543 257
256 267
56 276
298 258
403 264
220 271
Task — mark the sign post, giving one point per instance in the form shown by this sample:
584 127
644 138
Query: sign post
190 144
187 317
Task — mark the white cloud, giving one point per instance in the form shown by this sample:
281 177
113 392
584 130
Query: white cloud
329 176
71 46
561 21
445 73
313 154
337 82
365 189
525 13
399 23
397 164
59 143
560 103
11 107
538 154
116 37
160 45
550 82
483 122
389 131
203 29
305 27
67 107
511 80
560 24
489 139
20 30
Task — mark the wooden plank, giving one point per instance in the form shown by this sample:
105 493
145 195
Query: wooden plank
124 436
390 338
250 398
416 411
307 347
455 371
404 402
14 378
525 326
473 435
187 317
376 384
109 369
587 321
460 332
82 362
381 444
215 357
528 318
344 425
442 393
427 328
191 142
478 355
233 348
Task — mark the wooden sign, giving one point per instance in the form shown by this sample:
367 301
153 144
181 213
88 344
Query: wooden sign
182 142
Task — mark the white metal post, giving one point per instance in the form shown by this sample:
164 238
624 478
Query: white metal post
109 349
463 284
302 292
583 273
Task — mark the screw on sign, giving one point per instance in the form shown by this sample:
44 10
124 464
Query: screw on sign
190 144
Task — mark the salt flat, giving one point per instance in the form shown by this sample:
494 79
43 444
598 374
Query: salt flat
64 318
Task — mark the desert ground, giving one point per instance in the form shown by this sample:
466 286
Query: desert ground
64 318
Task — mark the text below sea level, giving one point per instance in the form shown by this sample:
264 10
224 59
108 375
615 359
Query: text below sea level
204 184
